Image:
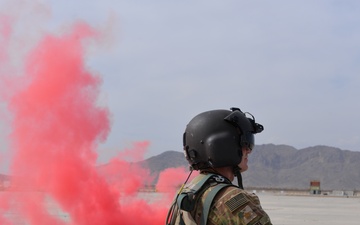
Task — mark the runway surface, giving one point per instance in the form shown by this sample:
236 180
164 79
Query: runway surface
311 210
283 209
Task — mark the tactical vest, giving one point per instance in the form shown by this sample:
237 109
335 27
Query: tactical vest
186 200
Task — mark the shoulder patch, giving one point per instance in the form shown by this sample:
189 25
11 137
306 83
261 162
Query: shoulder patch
236 202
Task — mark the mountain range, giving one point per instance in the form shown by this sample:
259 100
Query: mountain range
283 166
273 167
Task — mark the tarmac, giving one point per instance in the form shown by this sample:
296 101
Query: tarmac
311 209
283 209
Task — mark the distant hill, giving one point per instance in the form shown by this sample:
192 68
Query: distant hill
283 166
274 166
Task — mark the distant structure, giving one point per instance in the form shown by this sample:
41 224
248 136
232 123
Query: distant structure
315 187
343 193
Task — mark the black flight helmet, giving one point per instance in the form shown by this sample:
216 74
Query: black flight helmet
215 138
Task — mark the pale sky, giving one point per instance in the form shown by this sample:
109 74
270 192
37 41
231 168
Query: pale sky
293 64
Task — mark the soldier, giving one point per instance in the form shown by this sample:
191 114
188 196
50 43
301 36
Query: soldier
217 143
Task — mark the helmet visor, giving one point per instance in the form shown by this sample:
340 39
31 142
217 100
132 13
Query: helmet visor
247 140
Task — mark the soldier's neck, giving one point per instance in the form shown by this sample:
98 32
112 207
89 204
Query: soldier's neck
226 172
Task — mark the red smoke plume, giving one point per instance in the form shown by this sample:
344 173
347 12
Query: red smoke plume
56 128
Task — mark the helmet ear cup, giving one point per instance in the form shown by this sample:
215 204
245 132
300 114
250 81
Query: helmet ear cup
191 155
220 149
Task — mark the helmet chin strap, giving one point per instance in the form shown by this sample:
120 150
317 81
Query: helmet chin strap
237 173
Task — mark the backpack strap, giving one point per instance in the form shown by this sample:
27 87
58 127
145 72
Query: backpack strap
185 199
208 202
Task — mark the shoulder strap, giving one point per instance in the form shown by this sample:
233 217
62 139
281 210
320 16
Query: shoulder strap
184 200
208 202
201 183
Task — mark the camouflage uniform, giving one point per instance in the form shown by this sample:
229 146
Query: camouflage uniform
232 205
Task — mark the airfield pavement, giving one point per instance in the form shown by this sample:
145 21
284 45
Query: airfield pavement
311 209
283 209
286 209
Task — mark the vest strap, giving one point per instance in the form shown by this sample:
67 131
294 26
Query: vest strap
208 202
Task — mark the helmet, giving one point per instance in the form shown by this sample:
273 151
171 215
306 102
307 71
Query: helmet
215 138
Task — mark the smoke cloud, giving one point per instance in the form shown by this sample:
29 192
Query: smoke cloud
56 127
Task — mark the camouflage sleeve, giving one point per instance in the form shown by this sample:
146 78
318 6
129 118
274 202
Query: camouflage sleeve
237 207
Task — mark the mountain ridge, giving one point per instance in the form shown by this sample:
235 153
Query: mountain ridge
270 166
283 166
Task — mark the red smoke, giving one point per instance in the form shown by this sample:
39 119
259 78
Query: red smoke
56 128
169 179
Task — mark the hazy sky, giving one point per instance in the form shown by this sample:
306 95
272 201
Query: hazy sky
293 64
